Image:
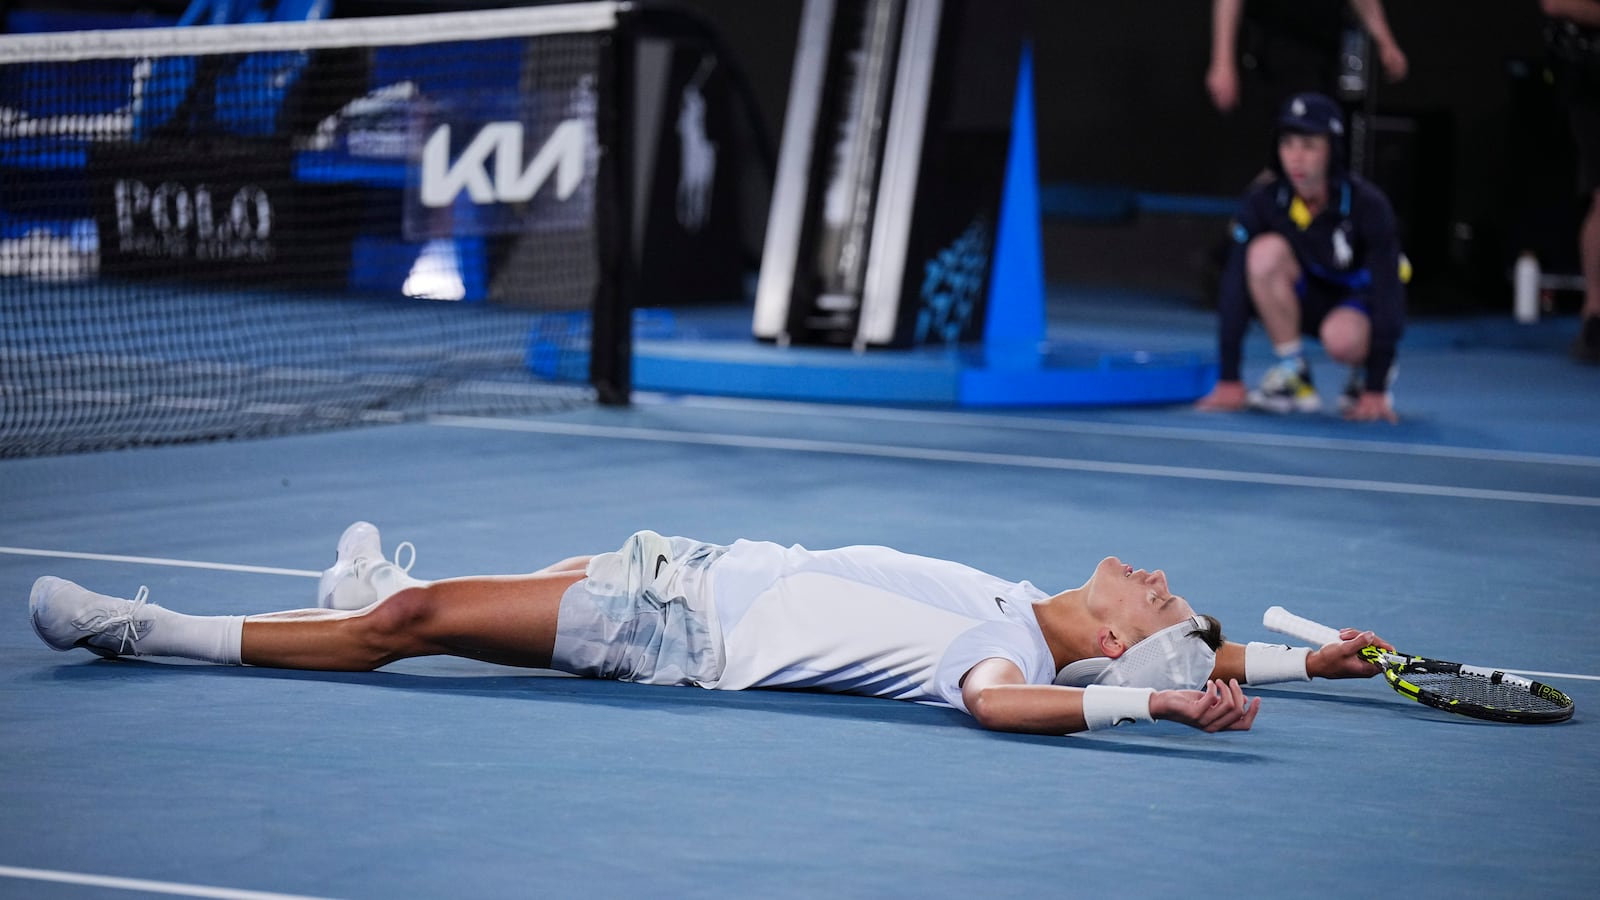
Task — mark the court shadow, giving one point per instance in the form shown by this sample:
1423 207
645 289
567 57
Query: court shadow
1140 743
1390 704
548 686
1314 696
533 684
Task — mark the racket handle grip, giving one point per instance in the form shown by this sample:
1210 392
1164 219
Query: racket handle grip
1284 622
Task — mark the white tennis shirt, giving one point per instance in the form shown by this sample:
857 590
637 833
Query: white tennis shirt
868 620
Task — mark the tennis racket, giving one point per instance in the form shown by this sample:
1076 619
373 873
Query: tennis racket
1465 690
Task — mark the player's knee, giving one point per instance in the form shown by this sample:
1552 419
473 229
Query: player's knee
397 627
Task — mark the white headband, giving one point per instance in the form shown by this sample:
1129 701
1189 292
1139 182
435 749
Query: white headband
1174 658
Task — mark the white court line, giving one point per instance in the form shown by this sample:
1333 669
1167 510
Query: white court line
1111 429
159 561
140 884
846 448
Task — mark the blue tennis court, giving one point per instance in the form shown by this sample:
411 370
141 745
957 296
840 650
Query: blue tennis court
258 283
1468 531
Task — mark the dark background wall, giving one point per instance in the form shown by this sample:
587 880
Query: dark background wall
1121 100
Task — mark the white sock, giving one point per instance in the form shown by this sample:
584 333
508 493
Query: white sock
1289 350
213 639
388 579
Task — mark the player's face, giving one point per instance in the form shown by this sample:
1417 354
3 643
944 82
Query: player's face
1305 161
1134 602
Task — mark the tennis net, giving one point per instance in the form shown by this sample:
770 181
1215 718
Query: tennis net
240 230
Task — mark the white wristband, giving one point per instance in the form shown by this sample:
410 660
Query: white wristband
1106 706
1268 663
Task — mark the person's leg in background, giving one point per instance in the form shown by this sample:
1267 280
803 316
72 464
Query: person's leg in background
1586 348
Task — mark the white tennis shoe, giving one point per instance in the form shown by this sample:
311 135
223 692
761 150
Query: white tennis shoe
349 582
67 615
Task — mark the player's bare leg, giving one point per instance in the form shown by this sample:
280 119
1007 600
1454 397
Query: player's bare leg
509 620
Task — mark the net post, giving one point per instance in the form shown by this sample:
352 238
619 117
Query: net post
611 350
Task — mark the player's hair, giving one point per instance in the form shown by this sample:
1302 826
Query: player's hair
1212 633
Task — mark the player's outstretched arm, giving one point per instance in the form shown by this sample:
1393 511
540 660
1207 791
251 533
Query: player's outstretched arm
1001 699
1271 663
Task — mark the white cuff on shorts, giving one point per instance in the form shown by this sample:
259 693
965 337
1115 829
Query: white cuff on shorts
1107 706
1269 663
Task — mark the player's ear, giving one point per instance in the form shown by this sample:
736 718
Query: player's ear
1110 645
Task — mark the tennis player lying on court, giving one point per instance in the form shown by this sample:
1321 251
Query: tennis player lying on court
862 620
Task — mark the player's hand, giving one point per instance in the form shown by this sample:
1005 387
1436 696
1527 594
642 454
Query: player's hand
1222 83
1342 658
1227 396
1372 407
1220 707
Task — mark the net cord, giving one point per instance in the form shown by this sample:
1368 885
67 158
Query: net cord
428 28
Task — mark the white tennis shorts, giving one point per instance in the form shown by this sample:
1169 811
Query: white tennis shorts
643 614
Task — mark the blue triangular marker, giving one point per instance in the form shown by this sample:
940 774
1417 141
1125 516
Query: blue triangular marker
1014 329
